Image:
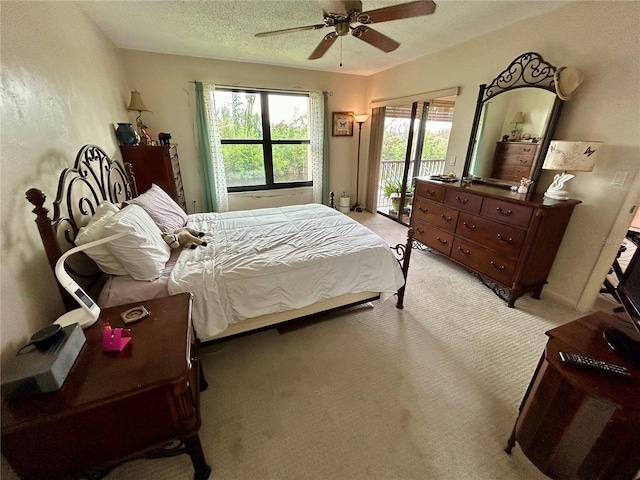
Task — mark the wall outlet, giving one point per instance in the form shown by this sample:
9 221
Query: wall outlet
619 178
452 160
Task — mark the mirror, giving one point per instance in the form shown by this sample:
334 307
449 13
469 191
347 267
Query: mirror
515 118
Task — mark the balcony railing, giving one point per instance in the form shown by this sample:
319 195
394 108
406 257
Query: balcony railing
394 169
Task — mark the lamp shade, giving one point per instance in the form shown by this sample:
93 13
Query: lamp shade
518 118
136 103
573 156
361 117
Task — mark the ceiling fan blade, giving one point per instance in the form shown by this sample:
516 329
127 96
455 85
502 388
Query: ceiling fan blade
324 45
289 30
375 39
397 12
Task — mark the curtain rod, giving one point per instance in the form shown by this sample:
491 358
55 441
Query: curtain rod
297 89
425 96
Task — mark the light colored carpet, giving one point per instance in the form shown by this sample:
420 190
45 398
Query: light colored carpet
428 392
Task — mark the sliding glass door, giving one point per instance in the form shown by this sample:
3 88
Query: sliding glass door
414 144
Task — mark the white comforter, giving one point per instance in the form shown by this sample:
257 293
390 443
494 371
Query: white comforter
277 259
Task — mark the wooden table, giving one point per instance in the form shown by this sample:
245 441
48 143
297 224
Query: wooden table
578 423
114 406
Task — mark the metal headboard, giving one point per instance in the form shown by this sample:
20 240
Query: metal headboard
94 178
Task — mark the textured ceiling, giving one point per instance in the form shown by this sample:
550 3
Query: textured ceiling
225 30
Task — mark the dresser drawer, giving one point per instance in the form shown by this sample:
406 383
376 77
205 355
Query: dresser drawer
430 191
521 160
496 236
435 214
484 261
461 200
519 149
508 212
433 237
513 173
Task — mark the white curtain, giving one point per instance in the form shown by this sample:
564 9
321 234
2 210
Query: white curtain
375 153
222 197
316 132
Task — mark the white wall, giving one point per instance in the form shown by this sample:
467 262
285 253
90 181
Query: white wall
163 81
63 86
599 38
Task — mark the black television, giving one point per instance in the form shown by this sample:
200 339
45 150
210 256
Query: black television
626 341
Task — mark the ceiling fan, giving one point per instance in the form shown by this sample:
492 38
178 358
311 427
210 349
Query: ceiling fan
347 16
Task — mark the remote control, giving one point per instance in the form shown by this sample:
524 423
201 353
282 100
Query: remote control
583 361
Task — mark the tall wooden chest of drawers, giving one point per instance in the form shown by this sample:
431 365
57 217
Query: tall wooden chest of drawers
506 238
513 160
156 164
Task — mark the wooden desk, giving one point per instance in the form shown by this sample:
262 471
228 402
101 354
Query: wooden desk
114 406
578 423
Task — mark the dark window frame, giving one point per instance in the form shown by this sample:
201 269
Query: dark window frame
267 142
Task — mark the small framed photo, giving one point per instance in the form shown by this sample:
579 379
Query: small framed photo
342 124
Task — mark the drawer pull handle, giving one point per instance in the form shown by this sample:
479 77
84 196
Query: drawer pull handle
494 265
431 193
423 210
470 227
504 239
420 230
502 212
526 149
463 201
446 219
443 242
463 251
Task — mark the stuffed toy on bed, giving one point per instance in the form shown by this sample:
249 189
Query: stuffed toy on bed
184 237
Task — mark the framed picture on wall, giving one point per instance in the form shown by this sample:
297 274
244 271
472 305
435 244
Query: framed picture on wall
342 124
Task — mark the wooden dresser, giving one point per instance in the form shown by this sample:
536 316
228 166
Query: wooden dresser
506 238
513 160
156 164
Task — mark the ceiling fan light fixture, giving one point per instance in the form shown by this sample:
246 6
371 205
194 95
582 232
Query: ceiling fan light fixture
342 29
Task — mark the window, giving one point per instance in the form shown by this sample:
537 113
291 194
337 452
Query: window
265 139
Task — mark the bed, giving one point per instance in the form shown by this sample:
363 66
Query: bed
259 267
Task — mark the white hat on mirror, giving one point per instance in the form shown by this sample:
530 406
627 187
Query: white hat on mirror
566 80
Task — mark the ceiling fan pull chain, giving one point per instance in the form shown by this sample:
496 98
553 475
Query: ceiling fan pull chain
340 51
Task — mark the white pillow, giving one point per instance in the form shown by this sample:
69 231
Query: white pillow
142 252
161 208
94 230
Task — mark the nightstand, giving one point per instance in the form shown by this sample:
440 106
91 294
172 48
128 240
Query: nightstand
579 423
115 406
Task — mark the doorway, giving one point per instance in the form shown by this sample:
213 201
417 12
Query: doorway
414 144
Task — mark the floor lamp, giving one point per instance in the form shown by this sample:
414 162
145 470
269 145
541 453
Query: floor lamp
360 118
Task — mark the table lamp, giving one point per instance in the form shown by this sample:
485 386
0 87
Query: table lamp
89 312
568 155
518 118
137 105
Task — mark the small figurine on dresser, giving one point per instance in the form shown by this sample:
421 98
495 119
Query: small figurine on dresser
145 136
164 138
524 185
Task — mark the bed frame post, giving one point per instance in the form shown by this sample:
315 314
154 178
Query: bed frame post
405 266
332 201
49 238
128 167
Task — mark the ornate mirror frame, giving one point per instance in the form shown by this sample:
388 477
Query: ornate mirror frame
529 70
